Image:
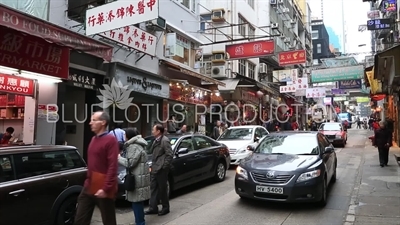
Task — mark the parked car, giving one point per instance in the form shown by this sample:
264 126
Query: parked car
196 158
335 132
40 184
238 138
288 167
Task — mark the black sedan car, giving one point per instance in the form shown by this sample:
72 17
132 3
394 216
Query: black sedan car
196 158
288 167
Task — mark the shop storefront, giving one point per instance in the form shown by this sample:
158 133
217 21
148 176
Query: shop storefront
148 93
37 51
76 100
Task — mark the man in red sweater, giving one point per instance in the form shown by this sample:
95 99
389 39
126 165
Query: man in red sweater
101 183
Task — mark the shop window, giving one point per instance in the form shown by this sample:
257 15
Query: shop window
189 4
319 48
251 70
252 32
242 26
205 20
251 3
242 67
185 51
37 8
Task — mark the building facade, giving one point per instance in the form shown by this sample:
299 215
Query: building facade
320 41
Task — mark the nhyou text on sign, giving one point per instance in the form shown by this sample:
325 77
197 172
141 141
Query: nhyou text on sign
119 14
17 85
292 57
33 54
133 37
315 92
250 49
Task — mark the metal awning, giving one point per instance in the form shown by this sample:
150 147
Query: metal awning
231 85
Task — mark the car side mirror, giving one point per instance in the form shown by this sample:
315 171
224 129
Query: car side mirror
182 151
329 149
250 148
256 139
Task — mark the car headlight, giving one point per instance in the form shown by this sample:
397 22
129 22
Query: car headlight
242 172
309 175
338 136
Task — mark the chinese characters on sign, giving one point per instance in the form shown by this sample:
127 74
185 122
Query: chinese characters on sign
250 49
133 37
33 54
119 14
379 24
292 57
291 88
315 93
284 75
83 80
301 84
17 85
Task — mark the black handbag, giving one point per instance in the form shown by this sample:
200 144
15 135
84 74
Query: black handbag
129 181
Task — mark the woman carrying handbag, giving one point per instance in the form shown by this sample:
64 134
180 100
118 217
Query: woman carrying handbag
137 179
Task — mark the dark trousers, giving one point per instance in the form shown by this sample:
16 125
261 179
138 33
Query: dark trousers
383 155
138 211
86 205
158 188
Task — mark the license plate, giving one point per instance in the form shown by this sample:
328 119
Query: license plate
273 190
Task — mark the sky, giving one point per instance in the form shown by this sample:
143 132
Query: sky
355 14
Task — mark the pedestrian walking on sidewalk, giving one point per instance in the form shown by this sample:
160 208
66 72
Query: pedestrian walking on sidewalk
383 140
101 185
135 162
160 166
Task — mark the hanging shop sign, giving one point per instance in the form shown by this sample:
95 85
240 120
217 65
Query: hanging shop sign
315 92
339 62
337 74
133 37
142 83
285 75
248 50
17 85
83 79
338 92
350 84
379 24
33 54
119 14
290 88
292 57
389 6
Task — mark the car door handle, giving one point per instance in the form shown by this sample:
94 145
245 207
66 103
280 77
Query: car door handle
17 192
197 155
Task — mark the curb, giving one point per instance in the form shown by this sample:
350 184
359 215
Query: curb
351 212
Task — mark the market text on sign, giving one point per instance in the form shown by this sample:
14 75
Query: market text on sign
121 13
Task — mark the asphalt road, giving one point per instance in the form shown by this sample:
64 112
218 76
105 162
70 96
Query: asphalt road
217 203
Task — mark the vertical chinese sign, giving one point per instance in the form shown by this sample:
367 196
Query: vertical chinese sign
120 14
17 85
292 57
33 54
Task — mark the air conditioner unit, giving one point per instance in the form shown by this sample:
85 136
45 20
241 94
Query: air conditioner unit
205 68
262 68
218 15
218 57
292 47
273 2
293 21
286 40
307 71
280 2
158 24
282 36
285 10
218 71
274 25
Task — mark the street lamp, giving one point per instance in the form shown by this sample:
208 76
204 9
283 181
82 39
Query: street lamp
260 95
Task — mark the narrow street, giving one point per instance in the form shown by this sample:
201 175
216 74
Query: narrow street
209 203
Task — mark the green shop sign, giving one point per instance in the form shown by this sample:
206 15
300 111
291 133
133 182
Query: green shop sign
337 74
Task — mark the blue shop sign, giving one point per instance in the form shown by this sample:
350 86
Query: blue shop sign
350 84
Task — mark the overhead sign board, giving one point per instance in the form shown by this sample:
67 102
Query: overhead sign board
337 74
252 49
339 62
292 57
119 14
349 84
379 24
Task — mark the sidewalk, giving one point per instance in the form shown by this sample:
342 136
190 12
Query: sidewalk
376 196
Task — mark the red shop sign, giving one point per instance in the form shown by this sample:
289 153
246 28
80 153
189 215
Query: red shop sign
33 54
17 85
252 49
292 57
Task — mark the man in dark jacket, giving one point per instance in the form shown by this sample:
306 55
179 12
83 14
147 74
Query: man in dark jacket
161 164
216 130
383 140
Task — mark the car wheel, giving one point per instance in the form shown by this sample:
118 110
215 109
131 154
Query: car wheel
322 202
220 172
66 212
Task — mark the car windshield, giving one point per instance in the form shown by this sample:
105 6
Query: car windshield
237 134
150 140
288 144
330 127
